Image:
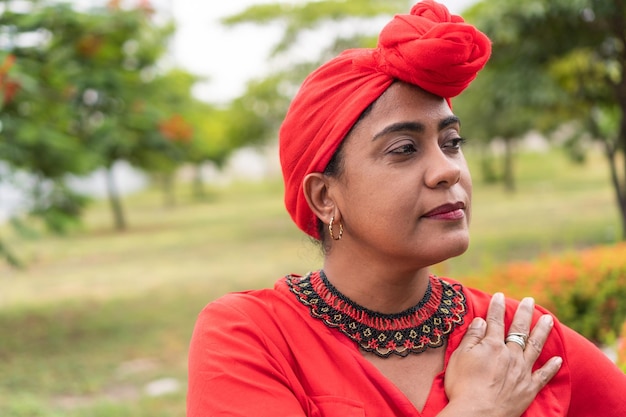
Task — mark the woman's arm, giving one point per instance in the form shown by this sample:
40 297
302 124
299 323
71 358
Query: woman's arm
598 385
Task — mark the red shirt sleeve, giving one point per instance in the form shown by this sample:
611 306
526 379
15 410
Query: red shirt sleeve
598 386
234 368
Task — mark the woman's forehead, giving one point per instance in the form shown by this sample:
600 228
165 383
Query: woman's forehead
403 102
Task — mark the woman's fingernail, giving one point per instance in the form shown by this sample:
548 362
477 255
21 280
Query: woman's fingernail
547 319
477 323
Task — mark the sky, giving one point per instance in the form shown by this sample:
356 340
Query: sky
227 56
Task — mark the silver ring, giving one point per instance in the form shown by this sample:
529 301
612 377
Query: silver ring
519 338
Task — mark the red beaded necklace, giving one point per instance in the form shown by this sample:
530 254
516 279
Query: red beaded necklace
424 325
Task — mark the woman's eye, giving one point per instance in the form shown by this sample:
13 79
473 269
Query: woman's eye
454 144
407 148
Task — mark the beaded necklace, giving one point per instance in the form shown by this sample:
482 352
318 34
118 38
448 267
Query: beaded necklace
424 325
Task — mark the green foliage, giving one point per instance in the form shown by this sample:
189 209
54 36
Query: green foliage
61 208
85 93
88 90
257 114
114 51
314 15
555 63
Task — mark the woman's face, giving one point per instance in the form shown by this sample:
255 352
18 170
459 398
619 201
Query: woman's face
404 191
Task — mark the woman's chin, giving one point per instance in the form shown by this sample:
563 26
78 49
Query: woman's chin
450 248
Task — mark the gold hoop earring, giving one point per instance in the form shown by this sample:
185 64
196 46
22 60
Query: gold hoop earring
330 229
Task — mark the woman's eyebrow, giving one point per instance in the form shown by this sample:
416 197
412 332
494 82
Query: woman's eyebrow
400 127
415 126
451 120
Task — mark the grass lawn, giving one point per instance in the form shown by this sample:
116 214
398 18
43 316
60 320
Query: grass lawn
99 321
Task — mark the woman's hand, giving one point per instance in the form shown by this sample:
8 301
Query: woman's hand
488 377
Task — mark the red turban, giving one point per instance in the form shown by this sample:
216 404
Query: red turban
430 48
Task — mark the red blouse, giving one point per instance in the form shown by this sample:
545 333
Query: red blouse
261 353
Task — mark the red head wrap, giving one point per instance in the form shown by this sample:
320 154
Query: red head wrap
430 48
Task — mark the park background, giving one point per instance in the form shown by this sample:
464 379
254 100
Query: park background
99 290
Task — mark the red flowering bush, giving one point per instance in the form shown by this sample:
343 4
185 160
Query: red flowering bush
585 289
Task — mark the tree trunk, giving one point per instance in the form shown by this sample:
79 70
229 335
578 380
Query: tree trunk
622 193
618 186
619 31
10 258
167 183
611 152
114 200
198 183
38 194
509 176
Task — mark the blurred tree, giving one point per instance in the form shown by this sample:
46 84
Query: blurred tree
34 122
500 105
209 144
218 132
314 16
83 89
75 103
569 56
167 104
344 24
256 115
197 132
115 53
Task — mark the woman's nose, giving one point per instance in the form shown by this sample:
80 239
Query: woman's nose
442 170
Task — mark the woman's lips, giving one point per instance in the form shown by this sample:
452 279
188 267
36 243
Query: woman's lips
452 211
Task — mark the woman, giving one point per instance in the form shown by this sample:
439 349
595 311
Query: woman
373 168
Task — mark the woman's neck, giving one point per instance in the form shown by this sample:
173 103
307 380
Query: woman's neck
382 289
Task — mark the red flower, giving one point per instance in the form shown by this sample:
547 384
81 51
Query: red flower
10 89
146 6
8 86
176 129
89 45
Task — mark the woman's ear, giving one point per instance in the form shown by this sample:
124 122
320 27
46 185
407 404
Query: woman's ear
316 191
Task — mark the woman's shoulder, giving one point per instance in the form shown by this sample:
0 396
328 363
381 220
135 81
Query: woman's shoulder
256 306
247 302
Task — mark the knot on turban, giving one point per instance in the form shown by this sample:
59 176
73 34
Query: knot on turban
429 48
